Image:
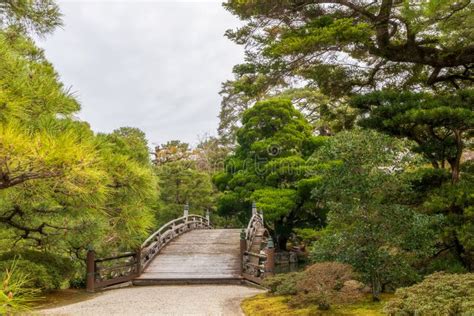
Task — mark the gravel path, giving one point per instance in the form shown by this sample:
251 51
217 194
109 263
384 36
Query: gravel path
162 300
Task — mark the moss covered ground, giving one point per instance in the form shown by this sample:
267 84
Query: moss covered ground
269 305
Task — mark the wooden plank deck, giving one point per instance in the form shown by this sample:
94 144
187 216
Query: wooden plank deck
198 256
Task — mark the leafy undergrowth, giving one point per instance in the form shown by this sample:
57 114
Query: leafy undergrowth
269 305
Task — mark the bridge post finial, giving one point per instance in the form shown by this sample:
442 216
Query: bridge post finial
208 216
186 210
254 208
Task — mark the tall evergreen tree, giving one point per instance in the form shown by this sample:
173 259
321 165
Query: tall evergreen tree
269 167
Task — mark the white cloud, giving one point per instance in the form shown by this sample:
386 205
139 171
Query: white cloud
155 65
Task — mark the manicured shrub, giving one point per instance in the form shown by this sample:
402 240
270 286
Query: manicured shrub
283 284
327 283
438 294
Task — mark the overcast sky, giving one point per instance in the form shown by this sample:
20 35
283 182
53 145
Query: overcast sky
156 65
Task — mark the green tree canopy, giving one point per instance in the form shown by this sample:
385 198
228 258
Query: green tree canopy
442 125
370 223
174 150
182 183
30 16
269 167
344 44
341 48
62 187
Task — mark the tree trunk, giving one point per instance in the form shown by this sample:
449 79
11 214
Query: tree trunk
282 233
461 253
456 162
376 288
281 242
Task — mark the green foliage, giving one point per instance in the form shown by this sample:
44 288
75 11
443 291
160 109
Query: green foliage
455 204
345 45
325 284
325 114
323 31
270 167
270 305
31 90
185 176
182 183
46 271
133 188
273 124
63 188
15 294
446 263
322 284
131 142
37 16
438 294
275 202
172 151
369 226
440 125
317 54
307 235
39 278
283 284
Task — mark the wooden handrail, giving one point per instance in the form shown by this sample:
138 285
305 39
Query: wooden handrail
153 244
123 255
257 259
255 223
120 271
170 223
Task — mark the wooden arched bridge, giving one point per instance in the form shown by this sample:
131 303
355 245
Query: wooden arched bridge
189 250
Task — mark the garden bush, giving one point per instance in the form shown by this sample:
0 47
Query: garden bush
327 283
38 276
47 271
438 294
79 282
283 284
447 263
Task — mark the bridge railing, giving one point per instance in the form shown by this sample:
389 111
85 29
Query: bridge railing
152 246
125 267
257 251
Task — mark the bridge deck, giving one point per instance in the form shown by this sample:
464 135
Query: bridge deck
198 256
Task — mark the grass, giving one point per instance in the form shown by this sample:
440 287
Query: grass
269 305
